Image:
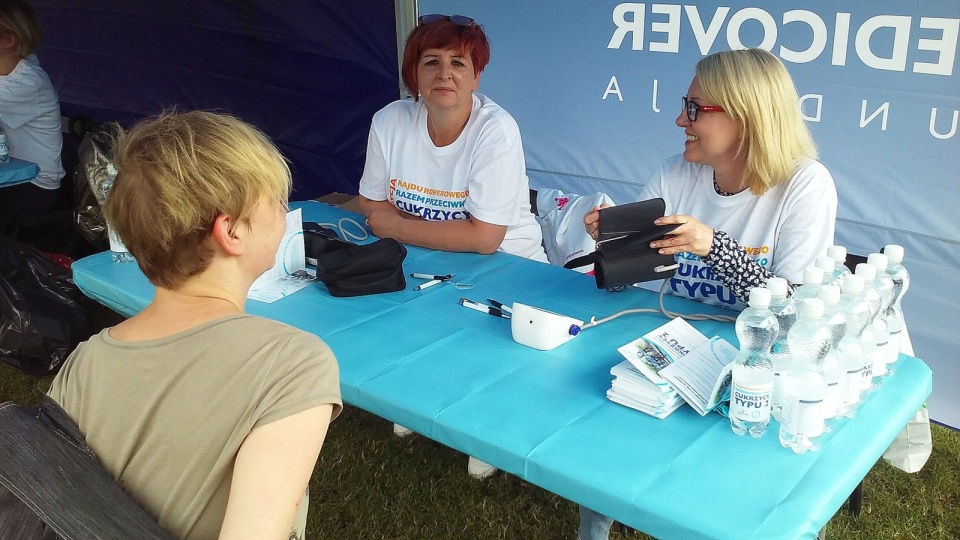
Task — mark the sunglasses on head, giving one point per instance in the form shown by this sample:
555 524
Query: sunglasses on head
693 109
455 19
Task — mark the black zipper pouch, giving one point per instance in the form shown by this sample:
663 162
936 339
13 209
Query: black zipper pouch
356 270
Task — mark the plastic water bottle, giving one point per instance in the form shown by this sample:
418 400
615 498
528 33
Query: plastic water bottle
118 250
901 282
839 256
804 386
888 349
4 149
876 328
812 280
853 359
752 384
833 371
785 311
827 265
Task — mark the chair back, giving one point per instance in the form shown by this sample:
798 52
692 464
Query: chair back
52 486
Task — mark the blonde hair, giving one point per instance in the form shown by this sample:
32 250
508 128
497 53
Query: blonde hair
755 89
18 18
176 173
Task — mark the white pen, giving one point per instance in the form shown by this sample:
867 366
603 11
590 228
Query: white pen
427 276
483 308
430 283
500 305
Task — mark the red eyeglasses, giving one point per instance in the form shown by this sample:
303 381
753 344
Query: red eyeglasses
694 109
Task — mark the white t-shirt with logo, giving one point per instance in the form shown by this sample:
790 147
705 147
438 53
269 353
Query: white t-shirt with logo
784 230
481 174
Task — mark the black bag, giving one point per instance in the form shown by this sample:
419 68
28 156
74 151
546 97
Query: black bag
623 256
52 486
355 270
41 321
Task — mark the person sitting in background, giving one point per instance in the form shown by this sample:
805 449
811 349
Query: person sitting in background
212 419
751 198
29 113
446 170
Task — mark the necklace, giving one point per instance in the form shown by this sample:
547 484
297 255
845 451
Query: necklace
716 187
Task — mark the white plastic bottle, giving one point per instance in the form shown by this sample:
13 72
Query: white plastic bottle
812 280
876 327
804 387
4 149
827 265
852 356
833 372
752 374
901 282
118 250
839 256
785 311
884 285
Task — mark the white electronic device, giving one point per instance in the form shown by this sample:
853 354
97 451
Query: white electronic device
542 329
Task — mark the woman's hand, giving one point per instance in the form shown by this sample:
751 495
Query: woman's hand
385 222
691 236
591 221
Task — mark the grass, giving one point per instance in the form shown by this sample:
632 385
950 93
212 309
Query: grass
369 484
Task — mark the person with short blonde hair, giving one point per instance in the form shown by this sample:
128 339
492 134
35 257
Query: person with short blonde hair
210 418
17 18
175 175
29 114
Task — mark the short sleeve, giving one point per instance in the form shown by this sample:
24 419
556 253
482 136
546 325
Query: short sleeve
19 93
374 182
497 175
807 223
305 374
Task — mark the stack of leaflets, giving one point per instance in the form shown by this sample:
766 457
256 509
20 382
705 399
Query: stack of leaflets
671 365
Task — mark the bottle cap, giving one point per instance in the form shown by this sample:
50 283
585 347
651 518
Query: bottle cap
868 271
825 263
830 294
852 283
811 308
878 261
813 275
759 297
894 253
777 286
837 253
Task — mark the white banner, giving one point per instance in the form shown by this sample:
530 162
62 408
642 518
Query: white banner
596 86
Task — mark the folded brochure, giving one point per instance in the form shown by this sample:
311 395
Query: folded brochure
677 357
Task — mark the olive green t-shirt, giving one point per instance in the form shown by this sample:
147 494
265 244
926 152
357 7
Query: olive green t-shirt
166 417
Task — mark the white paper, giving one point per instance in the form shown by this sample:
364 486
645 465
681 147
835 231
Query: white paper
656 412
661 347
289 273
698 376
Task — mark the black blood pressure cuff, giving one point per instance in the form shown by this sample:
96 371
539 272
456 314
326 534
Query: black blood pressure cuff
356 270
318 240
624 256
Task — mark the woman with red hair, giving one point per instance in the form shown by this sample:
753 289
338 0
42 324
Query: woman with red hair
446 170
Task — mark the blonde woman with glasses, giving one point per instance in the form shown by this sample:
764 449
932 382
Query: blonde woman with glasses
751 199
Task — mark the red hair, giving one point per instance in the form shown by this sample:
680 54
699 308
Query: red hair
443 34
